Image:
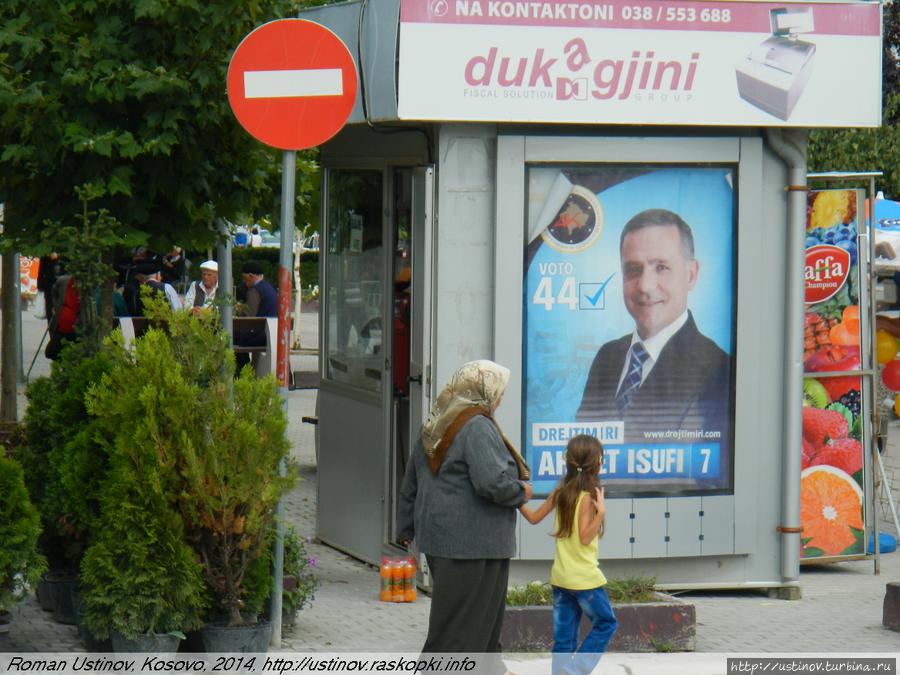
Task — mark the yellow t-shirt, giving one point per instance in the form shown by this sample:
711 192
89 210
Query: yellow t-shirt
575 565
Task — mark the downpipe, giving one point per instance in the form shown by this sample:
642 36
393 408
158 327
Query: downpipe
790 146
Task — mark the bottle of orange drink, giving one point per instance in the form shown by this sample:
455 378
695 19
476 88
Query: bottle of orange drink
397 582
409 579
387 592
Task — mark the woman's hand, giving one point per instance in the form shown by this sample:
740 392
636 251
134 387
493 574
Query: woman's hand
528 489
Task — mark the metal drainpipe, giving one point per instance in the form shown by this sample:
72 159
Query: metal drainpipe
791 148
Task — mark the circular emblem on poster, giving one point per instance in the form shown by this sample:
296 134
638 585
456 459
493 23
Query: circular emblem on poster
578 223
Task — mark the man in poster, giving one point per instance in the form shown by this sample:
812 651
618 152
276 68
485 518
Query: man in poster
665 376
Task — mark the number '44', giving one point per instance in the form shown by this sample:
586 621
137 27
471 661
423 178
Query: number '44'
567 295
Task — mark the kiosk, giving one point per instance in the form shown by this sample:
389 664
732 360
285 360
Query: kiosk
474 207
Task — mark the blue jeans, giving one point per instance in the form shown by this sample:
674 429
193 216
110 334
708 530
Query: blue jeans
568 606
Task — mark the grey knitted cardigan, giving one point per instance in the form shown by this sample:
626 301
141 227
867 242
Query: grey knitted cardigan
468 510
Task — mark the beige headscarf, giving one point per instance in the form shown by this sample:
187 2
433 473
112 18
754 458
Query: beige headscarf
474 389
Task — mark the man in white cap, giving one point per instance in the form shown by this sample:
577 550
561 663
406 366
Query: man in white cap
202 294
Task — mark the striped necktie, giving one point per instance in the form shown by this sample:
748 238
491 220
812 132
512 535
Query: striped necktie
632 380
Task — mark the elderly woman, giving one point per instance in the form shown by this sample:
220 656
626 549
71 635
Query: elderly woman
460 493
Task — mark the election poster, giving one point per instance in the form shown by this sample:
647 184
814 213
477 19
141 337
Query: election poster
629 312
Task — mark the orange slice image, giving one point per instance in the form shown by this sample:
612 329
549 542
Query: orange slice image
830 505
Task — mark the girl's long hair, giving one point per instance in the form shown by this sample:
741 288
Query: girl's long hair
584 456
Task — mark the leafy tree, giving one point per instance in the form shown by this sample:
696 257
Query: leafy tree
128 97
869 149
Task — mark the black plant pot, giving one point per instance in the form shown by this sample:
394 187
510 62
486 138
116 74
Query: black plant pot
192 643
62 589
218 638
44 594
91 643
5 619
153 643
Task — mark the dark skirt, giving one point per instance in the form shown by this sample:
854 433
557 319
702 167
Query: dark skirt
467 606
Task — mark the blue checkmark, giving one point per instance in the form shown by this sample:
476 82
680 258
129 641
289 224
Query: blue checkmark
590 294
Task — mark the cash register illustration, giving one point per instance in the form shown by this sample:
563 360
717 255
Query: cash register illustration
772 76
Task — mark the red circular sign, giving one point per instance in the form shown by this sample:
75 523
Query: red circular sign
292 84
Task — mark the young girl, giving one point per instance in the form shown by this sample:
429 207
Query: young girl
576 578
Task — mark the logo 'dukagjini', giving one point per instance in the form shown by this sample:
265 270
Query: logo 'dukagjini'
827 270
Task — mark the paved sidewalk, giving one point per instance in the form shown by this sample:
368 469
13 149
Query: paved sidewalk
840 611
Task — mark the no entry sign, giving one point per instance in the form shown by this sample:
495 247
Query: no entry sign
292 84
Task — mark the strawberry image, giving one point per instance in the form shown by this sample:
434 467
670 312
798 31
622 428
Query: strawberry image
820 426
809 454
839 386
843 453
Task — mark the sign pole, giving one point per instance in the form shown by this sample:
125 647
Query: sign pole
285 267
291 84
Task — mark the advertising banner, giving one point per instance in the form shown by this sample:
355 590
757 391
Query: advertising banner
831 482
629 324
651 62
28 273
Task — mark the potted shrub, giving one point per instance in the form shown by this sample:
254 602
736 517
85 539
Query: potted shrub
141 583
218 441
21 564
233 488
64 464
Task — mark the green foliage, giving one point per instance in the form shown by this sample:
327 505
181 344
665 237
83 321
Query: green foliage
300 583
531 594
139 575
300 565
172 403
629 589
233 483
20 563
88 246
861 149
128 97
632 589
64 458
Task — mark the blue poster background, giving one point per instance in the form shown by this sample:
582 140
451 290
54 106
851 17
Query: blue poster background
562 338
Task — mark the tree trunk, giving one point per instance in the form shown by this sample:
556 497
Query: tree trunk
9 341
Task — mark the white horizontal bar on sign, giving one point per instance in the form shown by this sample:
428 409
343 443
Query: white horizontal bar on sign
293 83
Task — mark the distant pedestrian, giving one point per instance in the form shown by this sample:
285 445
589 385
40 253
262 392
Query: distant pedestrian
255 237
49 270
173 266
575 576
460 492
262 301
63 326
202 294
148 274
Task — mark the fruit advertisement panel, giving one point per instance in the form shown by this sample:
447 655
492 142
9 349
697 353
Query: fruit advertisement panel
629 325
831 482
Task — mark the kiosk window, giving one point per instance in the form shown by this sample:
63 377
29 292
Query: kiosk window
355 278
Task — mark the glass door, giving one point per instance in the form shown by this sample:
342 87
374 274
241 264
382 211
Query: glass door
355 363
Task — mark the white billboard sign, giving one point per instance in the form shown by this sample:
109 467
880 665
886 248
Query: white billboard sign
644 62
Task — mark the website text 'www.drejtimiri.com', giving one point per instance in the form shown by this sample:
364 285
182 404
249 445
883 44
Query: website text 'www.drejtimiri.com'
682 435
